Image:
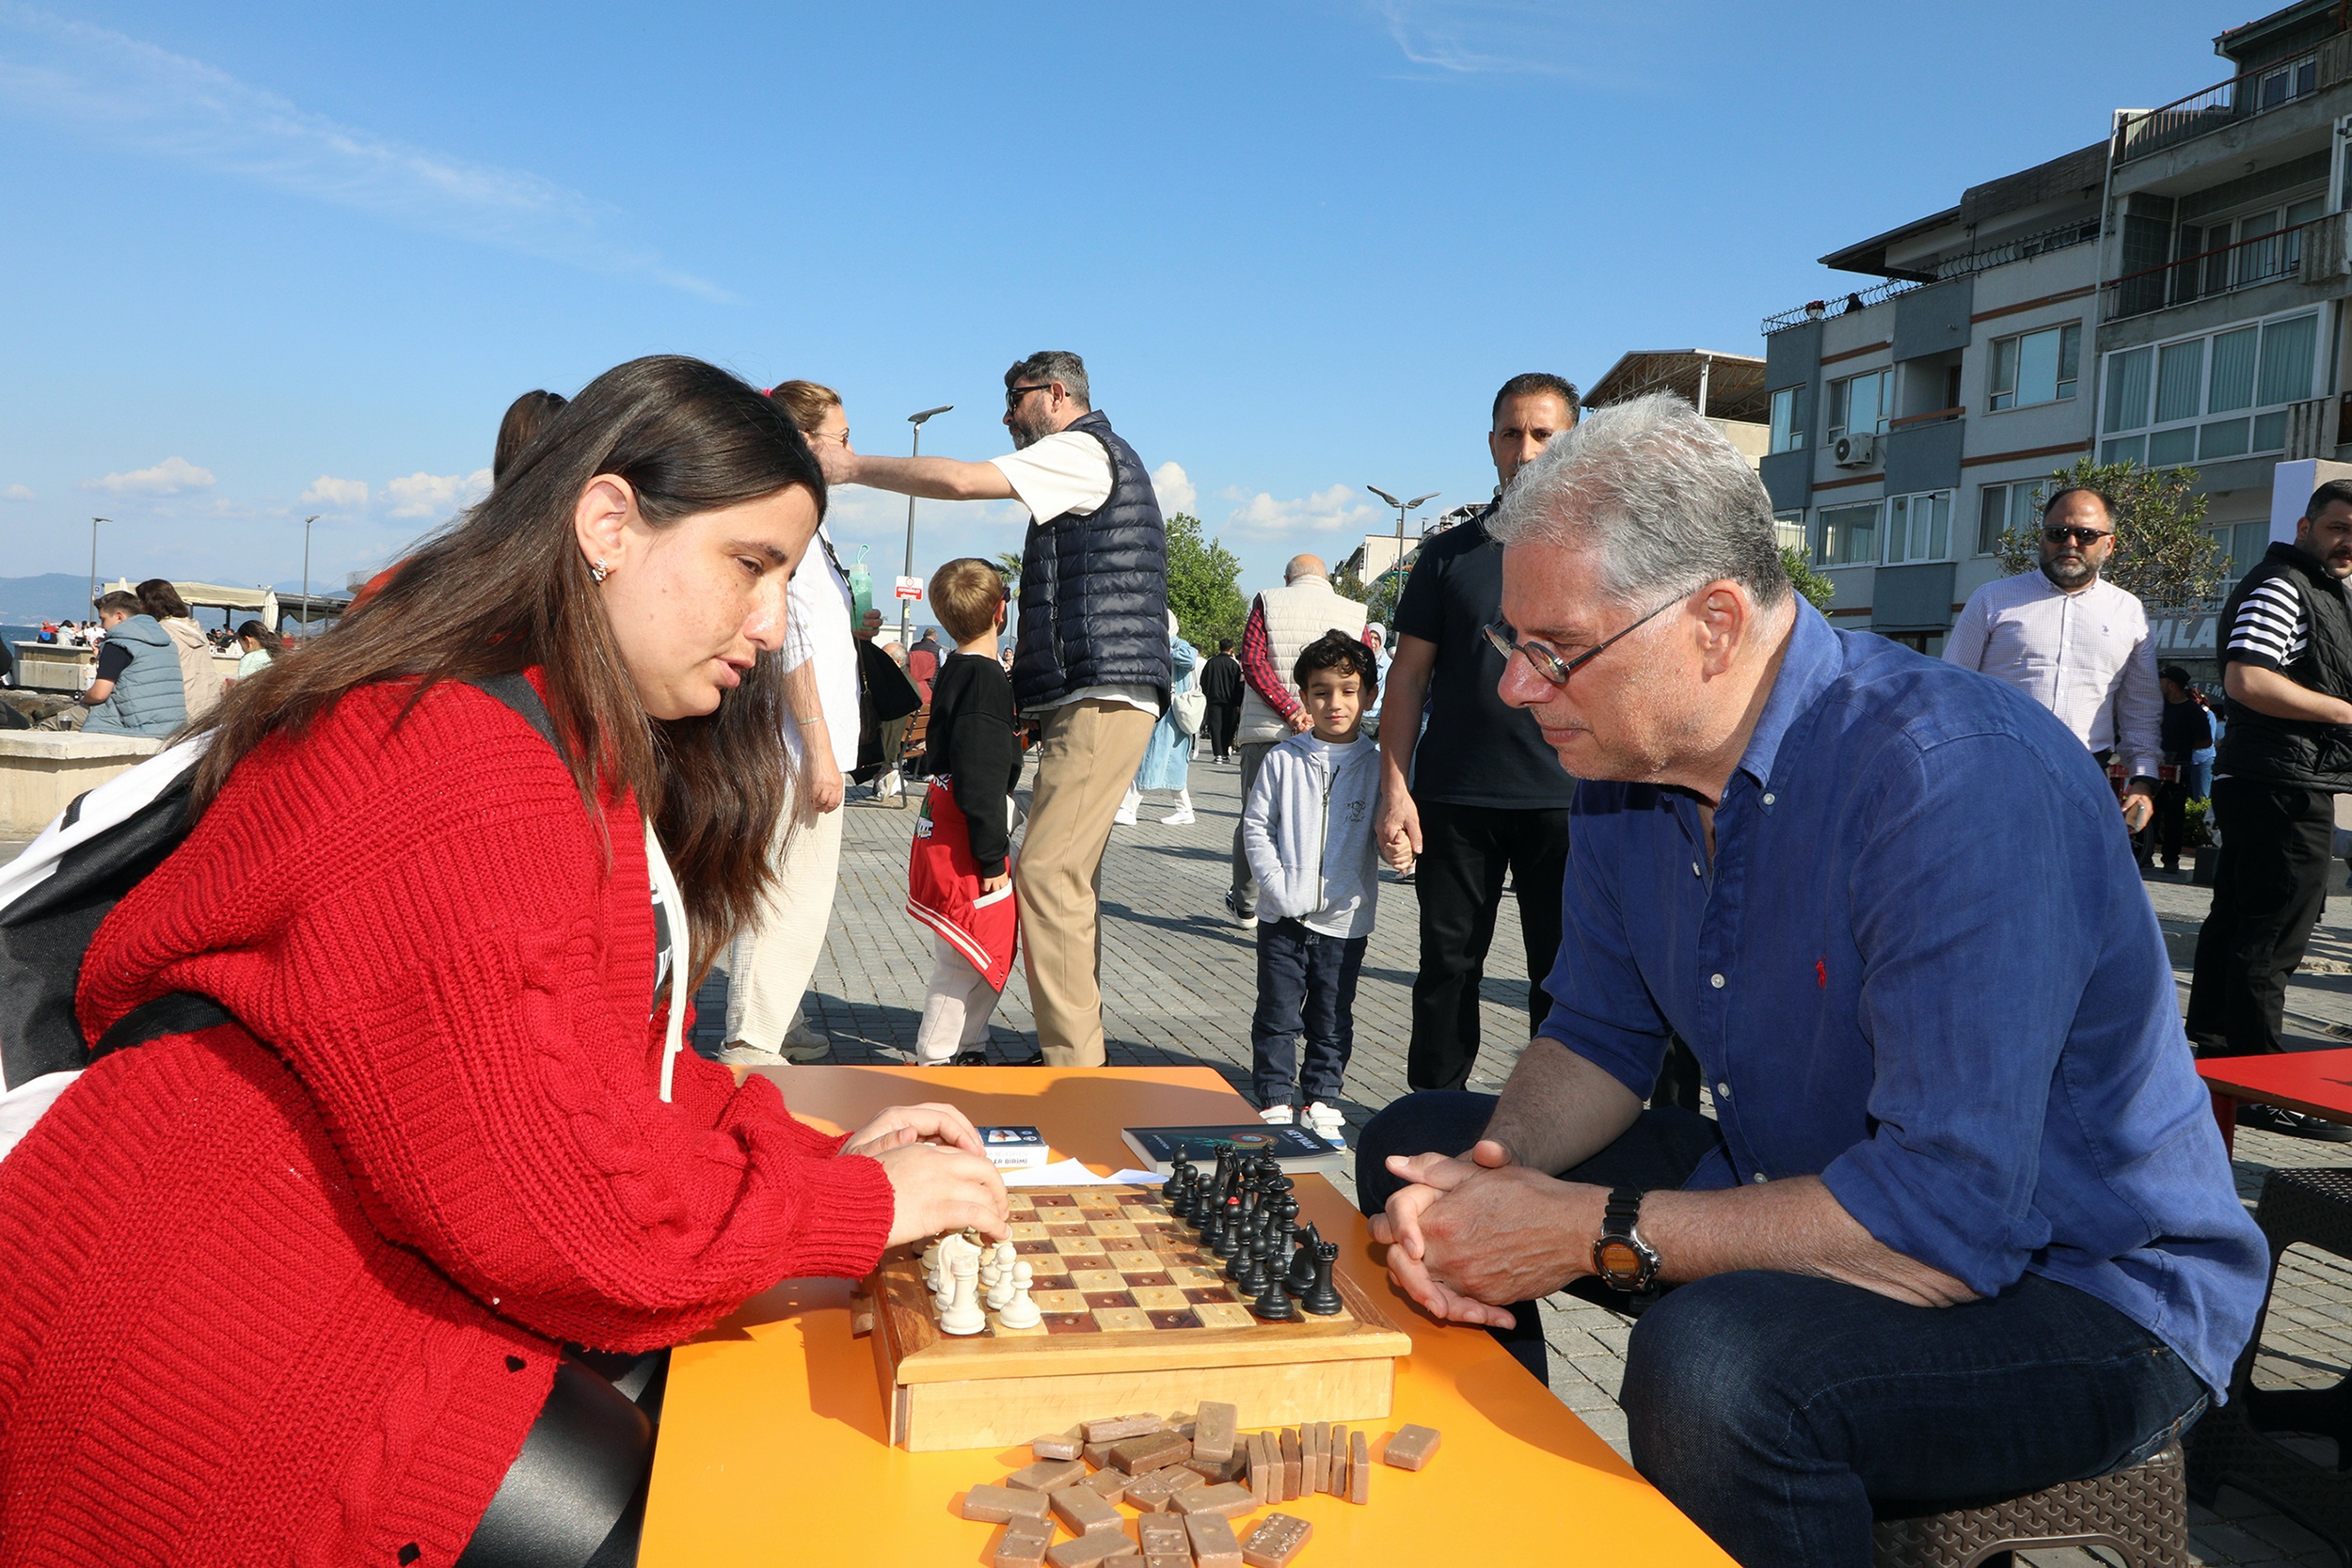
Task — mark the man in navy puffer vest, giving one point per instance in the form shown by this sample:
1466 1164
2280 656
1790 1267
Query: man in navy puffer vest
1090 659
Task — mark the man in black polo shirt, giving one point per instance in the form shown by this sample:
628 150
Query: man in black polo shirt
2286 664
1476 792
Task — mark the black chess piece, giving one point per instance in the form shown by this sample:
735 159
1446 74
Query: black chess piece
1251 1281
1273 1304
1227 1223
1301 1279
1183 1180
1240 1237
1278 1256
1322 1299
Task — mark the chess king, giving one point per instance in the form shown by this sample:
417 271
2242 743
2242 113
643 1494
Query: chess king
1962 1224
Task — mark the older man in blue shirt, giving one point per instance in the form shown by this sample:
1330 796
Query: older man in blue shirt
1963 1224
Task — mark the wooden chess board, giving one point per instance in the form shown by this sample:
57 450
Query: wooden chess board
1138 1315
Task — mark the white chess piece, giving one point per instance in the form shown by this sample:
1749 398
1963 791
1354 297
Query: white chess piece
933 1280
1001 1265
963 1314
1021 1312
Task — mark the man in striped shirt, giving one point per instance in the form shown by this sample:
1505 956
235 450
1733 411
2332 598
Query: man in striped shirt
2286 666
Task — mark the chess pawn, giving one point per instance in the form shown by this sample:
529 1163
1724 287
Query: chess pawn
1020 1311
1000 1284
1273 1304
932 1281
1322 1299
963 1314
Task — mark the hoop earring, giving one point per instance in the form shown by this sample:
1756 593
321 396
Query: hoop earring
598 570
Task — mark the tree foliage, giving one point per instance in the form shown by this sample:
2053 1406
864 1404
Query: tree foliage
2162 551
1816 589
1203 584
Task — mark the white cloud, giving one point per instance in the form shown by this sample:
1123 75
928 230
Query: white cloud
1337 509
423 495
170 477
134 94
347 495
1174 488
18 492
1527 38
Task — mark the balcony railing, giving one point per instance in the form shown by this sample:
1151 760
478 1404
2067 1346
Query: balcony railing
2223 104
2018 250
2265 259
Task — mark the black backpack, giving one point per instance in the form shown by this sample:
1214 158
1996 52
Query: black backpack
55 896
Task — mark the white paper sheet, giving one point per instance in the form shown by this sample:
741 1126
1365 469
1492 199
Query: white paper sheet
1061 1172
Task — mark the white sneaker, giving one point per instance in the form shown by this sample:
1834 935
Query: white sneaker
1126 818
1247 921
1180 820
738 1054
1278 1115
1326 1123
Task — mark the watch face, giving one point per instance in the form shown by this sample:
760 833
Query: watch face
1618 1258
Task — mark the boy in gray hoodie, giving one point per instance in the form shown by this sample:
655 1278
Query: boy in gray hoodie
1306 831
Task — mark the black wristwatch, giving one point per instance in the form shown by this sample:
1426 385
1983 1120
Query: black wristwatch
1620 1256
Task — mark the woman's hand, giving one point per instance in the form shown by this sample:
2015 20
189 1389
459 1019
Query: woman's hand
901 1125
935 1189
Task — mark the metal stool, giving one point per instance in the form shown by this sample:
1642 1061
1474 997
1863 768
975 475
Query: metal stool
2140 1512
2232 1443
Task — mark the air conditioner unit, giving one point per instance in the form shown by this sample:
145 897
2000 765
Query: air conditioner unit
1856 452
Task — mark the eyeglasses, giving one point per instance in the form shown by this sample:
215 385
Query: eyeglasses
1550 665
1014 394
2083 537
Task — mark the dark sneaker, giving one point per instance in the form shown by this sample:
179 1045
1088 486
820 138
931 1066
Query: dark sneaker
968 1059
2295 1124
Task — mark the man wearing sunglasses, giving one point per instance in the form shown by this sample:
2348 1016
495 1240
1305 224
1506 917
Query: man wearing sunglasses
2076 644
1091 658
2286 760
1962 1224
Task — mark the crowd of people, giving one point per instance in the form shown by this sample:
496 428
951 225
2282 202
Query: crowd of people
421 1164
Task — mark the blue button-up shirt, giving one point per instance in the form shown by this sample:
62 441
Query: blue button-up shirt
1921 966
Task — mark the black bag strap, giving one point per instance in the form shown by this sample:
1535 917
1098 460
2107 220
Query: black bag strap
185 1012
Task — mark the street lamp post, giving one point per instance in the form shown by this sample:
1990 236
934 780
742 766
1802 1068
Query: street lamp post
93 558
917 420
306 575
1402 508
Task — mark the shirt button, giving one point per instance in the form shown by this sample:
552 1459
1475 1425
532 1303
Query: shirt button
1768 798
1696 871
1716 980
1723 1091
1759 1176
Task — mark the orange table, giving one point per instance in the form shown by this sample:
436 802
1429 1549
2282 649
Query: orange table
772 1447
2316 1082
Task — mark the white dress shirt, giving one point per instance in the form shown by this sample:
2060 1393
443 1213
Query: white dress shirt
816 625
2087 656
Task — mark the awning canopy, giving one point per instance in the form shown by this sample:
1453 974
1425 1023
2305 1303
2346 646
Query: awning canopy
1733 381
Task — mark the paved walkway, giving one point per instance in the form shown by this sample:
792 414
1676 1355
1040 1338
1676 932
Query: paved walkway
1180 981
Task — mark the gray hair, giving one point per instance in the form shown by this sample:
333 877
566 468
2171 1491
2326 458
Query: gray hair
1051 365
1659 493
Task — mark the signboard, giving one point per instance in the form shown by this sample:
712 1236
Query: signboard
909 588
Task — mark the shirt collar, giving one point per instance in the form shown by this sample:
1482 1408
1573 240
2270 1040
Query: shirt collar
1814 658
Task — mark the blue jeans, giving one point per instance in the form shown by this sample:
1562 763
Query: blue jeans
1306 981
1783 1412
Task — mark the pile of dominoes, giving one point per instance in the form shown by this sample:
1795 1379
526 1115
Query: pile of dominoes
1187 1480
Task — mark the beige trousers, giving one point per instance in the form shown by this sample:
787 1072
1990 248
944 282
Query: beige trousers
770 963
1089 756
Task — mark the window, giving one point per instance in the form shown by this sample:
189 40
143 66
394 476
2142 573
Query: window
2036 367
1918 528
1861 404
2205 399
1788 418
2005 509
2245 544
1788 530
1850 536
2255 248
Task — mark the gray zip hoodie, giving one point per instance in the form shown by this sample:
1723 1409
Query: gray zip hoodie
1306 829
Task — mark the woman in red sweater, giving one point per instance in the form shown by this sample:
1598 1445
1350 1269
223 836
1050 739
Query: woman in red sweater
295 1286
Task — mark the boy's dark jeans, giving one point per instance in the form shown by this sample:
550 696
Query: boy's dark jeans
1306 980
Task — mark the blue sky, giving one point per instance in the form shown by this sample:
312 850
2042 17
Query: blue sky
268 260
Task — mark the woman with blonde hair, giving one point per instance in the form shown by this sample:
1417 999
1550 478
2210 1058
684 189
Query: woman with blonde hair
300 1267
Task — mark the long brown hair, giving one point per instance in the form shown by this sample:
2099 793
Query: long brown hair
504 588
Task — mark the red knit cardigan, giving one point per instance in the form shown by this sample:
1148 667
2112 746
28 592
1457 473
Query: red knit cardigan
294 1294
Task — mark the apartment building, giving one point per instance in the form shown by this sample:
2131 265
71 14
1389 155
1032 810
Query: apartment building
2224 266
1911 420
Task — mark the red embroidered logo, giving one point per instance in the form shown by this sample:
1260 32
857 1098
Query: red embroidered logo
1821 973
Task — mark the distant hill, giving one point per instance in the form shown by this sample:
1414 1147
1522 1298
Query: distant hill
51 597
